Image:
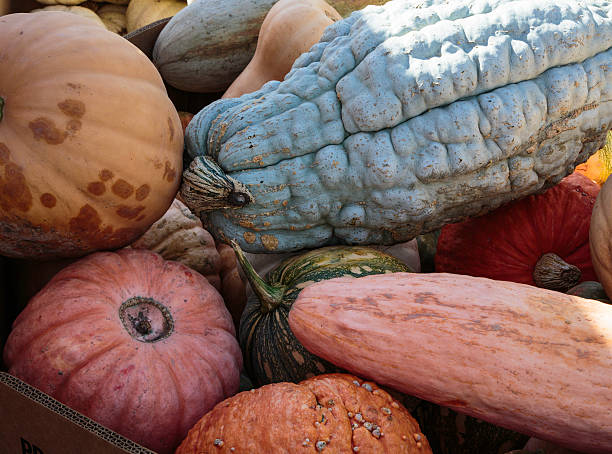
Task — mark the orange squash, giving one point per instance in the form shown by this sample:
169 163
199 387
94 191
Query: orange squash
599 166
289 29
330 413
528 359
90 144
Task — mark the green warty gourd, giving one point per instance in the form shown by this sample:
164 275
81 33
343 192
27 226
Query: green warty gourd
403 118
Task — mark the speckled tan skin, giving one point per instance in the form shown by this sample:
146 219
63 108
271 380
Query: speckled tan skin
332 413
90 143
531 360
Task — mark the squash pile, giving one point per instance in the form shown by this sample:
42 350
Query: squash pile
118 16
329 133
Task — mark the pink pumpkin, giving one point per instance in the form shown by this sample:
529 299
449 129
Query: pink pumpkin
142 345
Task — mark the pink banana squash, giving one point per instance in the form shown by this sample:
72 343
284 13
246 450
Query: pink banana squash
528 359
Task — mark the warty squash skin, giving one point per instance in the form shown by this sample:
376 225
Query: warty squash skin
141 345
90 143
403 119
178 235
528 359
600 236
270 350
290 28
330 413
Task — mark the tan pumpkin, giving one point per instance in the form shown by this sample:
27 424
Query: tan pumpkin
178 235
113 17
78 10
331 413
600 236
290 28
144 12
61 2
90 144
114 2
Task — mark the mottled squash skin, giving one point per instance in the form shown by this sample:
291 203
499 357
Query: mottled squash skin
404 119
90 143
521 357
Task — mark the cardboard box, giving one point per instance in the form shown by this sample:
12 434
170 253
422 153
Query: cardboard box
32 422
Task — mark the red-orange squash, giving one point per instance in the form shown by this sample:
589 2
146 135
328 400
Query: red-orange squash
541 240
90 144
141 345
528 359
332 413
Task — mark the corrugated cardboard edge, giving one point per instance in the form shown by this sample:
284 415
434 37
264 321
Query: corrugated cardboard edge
71 415
144 38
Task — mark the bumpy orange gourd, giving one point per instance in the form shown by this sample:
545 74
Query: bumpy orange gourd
90 144
600 236
290 28
331 413
142 345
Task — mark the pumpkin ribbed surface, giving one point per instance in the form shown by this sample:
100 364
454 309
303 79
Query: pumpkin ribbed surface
90 143
141 345
506 244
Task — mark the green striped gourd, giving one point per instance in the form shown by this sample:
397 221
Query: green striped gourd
271 352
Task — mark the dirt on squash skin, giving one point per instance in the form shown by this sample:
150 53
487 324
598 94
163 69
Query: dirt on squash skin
14 190
21 239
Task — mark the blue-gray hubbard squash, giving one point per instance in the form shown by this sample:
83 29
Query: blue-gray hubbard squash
403 119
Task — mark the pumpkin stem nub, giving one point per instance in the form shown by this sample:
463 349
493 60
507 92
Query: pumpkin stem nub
269 296
554 273
206 187
145 319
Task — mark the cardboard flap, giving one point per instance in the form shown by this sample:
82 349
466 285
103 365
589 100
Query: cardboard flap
144 38
39 424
